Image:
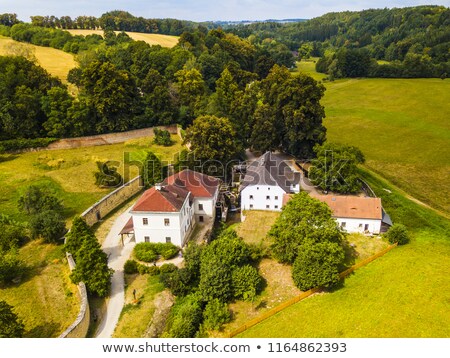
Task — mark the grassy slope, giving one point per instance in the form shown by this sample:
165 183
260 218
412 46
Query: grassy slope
43 300
152 39
57 63
402 127
403 294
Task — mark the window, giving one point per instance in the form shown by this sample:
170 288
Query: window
360 226
166 222
276 206
268 188
200 206
257 188
267 206
145 221
251 197
268 197
276 197
147 238
168 239
200 218
343 224
251 206
366 227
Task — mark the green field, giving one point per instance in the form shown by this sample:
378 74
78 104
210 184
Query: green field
401 125
46 300
405 293
151 39
57 63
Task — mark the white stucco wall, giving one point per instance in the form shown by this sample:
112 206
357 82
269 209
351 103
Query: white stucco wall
180 224
358 225
209 206
259 200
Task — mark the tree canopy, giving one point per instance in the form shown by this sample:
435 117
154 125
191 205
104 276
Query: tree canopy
10 324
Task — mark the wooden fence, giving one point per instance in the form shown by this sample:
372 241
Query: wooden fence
304 295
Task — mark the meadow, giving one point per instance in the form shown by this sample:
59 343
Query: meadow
151 39
402 294
46 300
401 126
58 63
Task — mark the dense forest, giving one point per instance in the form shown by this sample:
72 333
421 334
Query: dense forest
125 84
415 41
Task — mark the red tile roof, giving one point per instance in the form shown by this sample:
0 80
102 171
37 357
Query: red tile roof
169 199
128 228
198 184
357 207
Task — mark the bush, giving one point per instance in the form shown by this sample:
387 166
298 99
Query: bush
162 137
246 282
179 282
107 175
151 270
145 251
49 225
168 268
10 324
149 251
130 267
397 233
317 265
185 317
11 267
216 314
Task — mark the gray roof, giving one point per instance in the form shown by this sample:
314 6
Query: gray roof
386 218
269 169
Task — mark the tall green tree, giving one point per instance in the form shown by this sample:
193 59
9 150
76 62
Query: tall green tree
37 199
335 168
304 220
47 224
213 142
152 170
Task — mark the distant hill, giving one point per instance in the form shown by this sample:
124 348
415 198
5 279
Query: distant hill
389 34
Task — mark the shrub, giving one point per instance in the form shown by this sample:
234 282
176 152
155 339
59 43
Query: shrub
317 265
162 137
49 225
168 268
144 251
10 324
151 270
107 175
246 282
11 266
185 317
216 314
130 267
397 233
170 252
179 282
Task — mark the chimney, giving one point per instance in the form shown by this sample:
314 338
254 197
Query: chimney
158 186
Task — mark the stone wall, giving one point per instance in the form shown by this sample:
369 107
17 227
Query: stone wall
79 328
104 139
111 201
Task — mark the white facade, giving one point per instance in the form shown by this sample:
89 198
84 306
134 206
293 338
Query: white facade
163 227
364 226
205 207
262 197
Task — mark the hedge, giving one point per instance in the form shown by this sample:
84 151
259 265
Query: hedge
20 144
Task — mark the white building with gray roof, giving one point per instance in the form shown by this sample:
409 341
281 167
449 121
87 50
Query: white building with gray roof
266 180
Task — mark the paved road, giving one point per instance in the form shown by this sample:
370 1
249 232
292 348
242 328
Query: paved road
117 256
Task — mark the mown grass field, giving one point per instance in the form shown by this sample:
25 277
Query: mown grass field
45 299
405 293
401 125
57 63
151 39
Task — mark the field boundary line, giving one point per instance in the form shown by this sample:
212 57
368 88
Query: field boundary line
304 295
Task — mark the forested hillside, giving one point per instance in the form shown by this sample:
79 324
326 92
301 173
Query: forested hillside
415 40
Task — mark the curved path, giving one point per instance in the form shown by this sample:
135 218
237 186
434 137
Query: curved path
117 256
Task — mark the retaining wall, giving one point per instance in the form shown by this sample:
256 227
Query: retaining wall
111 201
79 328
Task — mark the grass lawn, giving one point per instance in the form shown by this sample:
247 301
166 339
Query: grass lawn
45 300
401 125
256 225
309 67
402 294
136 315
152 39
58 63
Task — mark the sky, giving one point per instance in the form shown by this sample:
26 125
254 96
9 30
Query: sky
201 10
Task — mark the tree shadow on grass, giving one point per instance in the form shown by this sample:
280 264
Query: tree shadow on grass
350 255
7 157
45 330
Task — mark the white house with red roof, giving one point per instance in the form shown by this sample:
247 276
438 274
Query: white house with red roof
168 211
